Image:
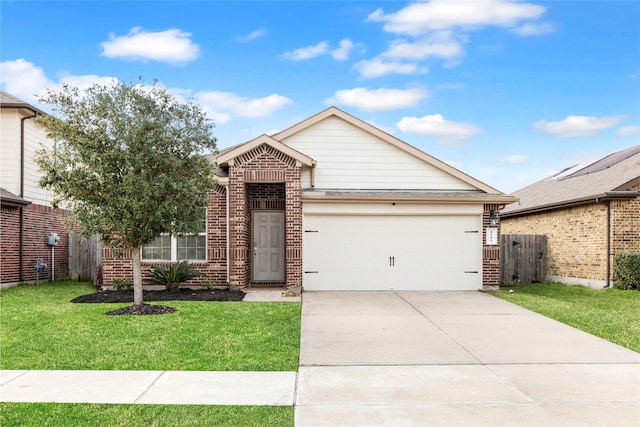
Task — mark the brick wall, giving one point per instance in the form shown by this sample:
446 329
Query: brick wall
625 225
251 186
118 264
38 223
576 239
490 253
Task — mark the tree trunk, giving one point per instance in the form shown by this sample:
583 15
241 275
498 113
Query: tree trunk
137 275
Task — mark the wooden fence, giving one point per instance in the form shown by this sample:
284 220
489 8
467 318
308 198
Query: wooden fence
85 256
523 258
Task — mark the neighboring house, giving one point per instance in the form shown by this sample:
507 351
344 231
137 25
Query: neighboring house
26 216
333 203
588 212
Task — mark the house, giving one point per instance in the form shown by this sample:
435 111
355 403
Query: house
26 218
334 203
588 212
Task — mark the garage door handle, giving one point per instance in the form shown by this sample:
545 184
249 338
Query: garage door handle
392 261
472 272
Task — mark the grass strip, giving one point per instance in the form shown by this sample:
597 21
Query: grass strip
41 329
611 314
97 415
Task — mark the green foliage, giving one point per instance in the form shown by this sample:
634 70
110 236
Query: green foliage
611 314
209 284
626 269
41 329
172 276
122 284
107 415
127 161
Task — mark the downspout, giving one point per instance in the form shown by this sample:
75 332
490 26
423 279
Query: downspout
21 195
228 234
608 243
313 174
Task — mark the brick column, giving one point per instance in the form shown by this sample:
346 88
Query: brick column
490 253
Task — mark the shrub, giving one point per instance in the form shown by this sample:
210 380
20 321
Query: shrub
626 269
122 284
172 276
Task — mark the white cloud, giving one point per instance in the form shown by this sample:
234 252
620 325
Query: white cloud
378 99
23 79
28 81
449 133
627 131
342 53
515 159
307 52
253 35
441 44
423 17
578 126
223 105
534 29
172 46
378 67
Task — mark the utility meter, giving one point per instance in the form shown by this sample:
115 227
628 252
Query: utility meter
53 239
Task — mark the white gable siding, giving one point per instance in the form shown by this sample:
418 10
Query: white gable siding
34 138
10 154
350 158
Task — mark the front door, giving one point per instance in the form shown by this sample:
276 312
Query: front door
268 246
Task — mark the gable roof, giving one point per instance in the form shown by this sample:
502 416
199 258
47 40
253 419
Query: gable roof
230 154
9 101
611 177
334 111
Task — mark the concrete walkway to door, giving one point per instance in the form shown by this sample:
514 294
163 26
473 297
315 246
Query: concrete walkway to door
455 359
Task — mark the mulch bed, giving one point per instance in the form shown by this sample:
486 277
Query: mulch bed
163 295
183 294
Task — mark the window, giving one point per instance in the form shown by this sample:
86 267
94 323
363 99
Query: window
177 248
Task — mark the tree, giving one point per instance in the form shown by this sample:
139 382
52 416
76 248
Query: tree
127 162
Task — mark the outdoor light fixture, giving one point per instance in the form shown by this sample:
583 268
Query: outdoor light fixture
493 221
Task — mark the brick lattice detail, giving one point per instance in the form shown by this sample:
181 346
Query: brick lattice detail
253 180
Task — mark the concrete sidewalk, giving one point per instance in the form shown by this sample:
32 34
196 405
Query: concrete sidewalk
145 387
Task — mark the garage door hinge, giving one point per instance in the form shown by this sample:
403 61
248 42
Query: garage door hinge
471 272
310 272
310 231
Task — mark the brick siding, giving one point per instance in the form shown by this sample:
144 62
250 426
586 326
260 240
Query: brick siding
576 236
490 253
38 223
118 264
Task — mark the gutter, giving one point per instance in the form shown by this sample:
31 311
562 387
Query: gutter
603 197
323 197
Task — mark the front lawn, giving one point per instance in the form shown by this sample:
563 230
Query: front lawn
81 415
611 314
41 329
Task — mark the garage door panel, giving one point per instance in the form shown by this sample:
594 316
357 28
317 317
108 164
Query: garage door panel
391 252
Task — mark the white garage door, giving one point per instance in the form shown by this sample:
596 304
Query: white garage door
381 252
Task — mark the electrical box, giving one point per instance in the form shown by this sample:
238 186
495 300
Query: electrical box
53 239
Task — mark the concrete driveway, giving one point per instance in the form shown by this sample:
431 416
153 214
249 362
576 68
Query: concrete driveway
455 359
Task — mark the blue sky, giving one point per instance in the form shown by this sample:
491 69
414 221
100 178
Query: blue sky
509 92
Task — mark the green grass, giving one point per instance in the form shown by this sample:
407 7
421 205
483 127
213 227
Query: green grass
41 329
72 415
611 314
